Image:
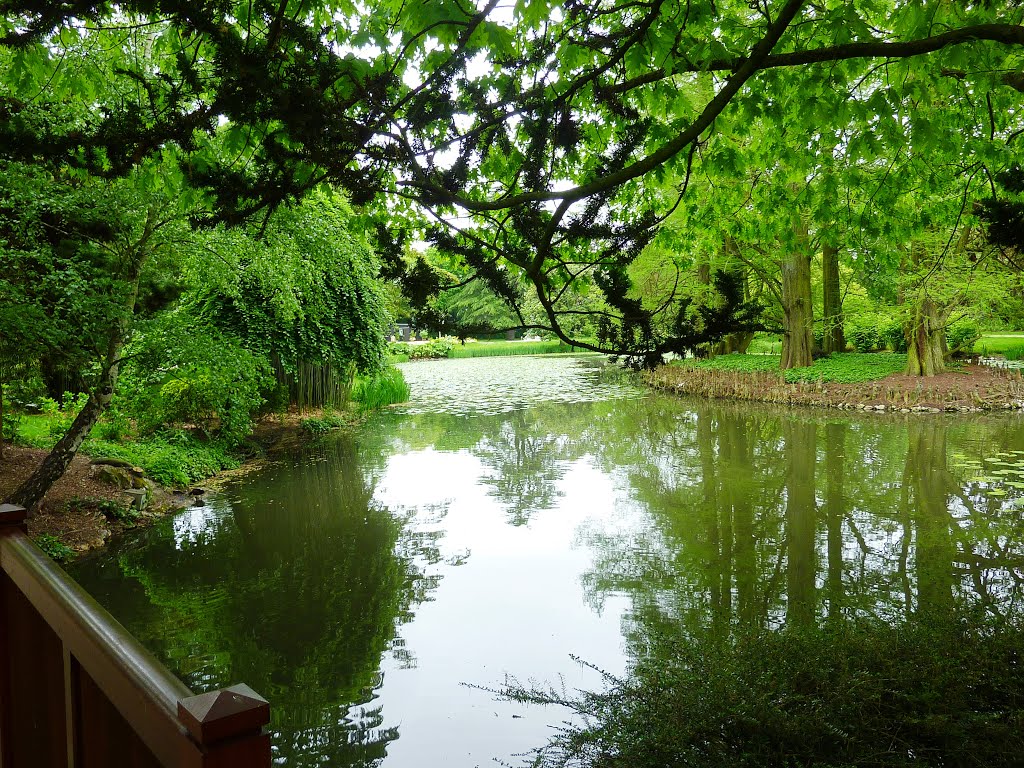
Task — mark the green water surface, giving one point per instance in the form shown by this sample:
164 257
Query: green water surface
520 511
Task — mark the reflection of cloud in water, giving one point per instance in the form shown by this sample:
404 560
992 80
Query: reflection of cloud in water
191 525
491 385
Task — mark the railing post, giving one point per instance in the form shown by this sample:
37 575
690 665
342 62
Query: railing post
12 518
228 727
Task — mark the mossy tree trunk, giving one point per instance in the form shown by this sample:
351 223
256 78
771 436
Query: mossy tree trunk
926 338
833 338
797 311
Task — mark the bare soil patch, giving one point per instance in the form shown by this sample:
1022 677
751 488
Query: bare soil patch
68 511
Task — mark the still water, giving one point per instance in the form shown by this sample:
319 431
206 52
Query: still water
520 512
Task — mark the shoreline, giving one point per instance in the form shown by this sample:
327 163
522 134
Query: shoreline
970 389
77 509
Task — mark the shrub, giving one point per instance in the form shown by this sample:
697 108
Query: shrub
961 336
10 424
56 549
323 424
891 332
438 348
114 425
863 335
108 508
62 414
172 457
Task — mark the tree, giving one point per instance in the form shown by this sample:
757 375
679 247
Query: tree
82 247
546 155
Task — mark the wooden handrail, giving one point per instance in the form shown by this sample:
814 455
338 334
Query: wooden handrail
179 729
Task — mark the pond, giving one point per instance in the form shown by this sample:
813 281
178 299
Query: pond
522 514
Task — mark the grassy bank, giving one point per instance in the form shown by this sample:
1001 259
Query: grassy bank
171 458
851 367
452 348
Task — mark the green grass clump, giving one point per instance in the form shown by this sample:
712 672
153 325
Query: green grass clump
386 388
321 425
56 549
171 458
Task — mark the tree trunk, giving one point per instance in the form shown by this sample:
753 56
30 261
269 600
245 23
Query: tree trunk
31 492
1 418
835 473
797 311
833 339
926 339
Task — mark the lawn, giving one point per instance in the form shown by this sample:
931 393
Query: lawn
848 368
1010 344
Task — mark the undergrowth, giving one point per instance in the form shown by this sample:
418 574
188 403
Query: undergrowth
321 425
56 549
925 692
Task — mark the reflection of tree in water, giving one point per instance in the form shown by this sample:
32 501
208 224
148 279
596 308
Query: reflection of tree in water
525 454
806 592
299 594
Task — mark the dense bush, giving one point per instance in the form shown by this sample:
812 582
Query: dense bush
961 336
863 334
212 383
438 348
172 457
891 333
926 692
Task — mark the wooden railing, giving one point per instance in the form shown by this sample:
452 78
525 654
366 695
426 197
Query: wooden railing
78 691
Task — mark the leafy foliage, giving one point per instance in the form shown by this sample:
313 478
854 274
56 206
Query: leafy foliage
54 548
925 692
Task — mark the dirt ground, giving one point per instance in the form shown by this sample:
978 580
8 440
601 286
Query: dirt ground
69 511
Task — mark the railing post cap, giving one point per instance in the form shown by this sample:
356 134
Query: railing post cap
12 513
218 715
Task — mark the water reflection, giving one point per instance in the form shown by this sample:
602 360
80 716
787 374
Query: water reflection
776 518
296 586
358 586
785 556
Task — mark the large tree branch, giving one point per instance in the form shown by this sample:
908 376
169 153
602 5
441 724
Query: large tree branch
744 68
1007 34
743 73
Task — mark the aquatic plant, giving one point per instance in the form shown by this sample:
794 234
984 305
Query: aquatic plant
385 388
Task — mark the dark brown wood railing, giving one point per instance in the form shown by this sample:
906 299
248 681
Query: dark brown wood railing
78 691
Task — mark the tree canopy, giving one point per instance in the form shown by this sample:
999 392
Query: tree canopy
546 145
